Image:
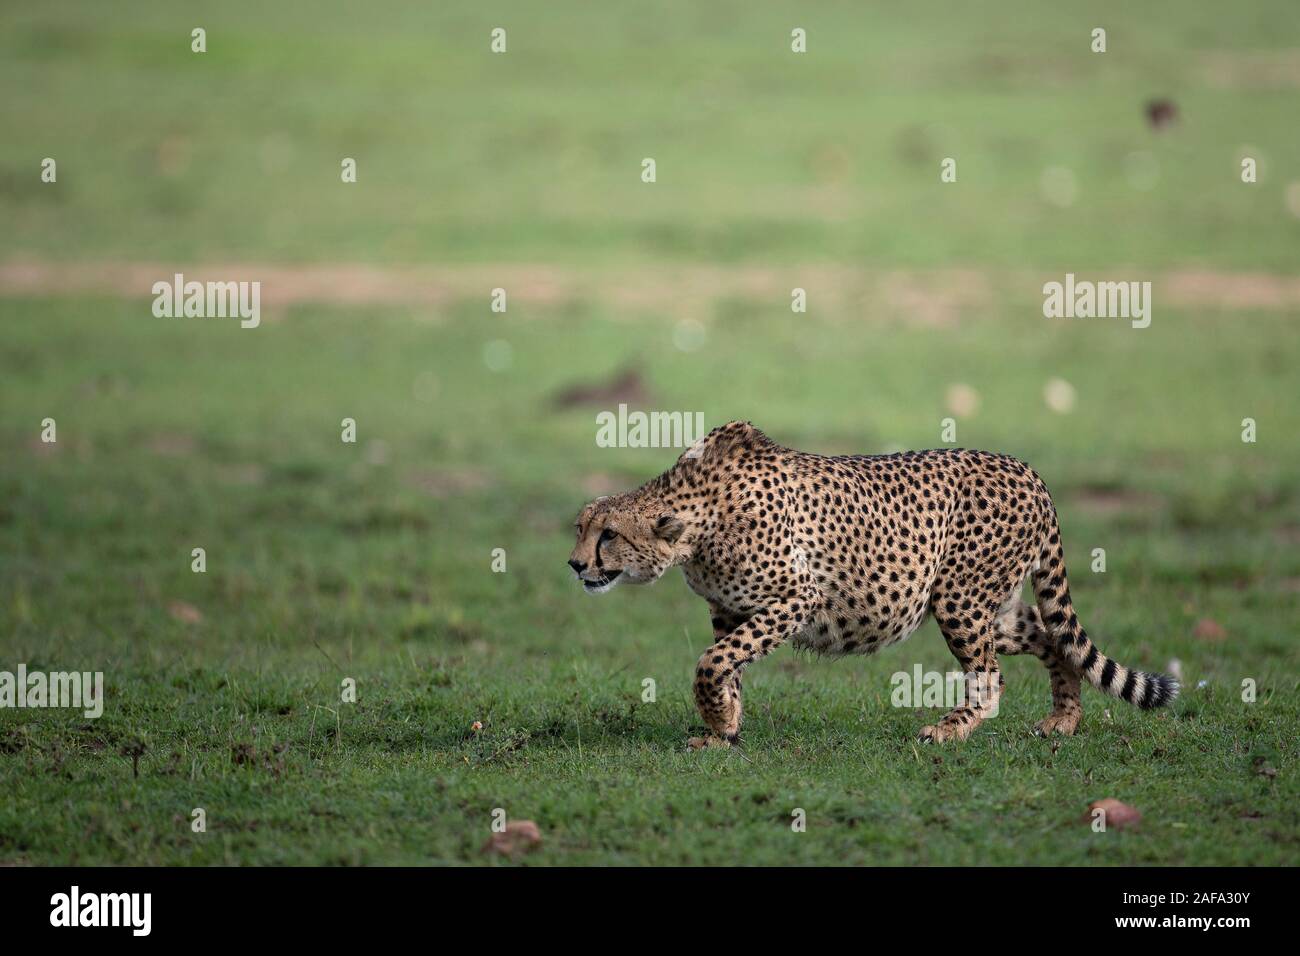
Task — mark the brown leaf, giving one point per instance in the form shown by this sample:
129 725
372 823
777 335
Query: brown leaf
1208 629
185 613
519 836
1117 815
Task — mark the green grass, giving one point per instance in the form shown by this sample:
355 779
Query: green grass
535 155
372 561
323 565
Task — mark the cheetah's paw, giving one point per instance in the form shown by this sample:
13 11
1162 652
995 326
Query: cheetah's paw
1058 723
933 734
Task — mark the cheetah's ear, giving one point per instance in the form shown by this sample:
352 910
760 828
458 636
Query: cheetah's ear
669 527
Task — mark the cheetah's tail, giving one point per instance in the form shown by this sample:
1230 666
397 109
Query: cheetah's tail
1052 592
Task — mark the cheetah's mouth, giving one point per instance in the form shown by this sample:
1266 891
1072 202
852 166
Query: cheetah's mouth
601 584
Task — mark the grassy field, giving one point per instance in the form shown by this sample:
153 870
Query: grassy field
373 561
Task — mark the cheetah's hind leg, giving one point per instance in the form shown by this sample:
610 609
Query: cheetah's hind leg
1019 629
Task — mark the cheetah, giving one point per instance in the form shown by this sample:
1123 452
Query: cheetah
849 554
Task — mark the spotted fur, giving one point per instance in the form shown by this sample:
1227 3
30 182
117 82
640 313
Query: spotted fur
849 554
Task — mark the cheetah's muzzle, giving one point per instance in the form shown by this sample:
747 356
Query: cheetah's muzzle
601 584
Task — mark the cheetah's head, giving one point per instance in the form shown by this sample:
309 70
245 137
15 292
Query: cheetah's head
625 538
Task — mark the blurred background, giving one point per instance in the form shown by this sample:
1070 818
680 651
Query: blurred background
476 429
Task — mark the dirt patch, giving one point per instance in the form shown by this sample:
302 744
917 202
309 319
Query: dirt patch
1104 502
171 444
932 298
1287 534
626 387
1219 290
1251 70
935 299
243 474
448 482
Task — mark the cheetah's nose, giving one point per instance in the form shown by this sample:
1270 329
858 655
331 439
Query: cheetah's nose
578 566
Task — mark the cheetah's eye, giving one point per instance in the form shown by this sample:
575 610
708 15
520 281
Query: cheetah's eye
608 535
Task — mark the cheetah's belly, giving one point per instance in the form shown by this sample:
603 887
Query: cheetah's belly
867 611
835 634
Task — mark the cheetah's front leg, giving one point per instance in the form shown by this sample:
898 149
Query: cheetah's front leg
724 622
717 676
